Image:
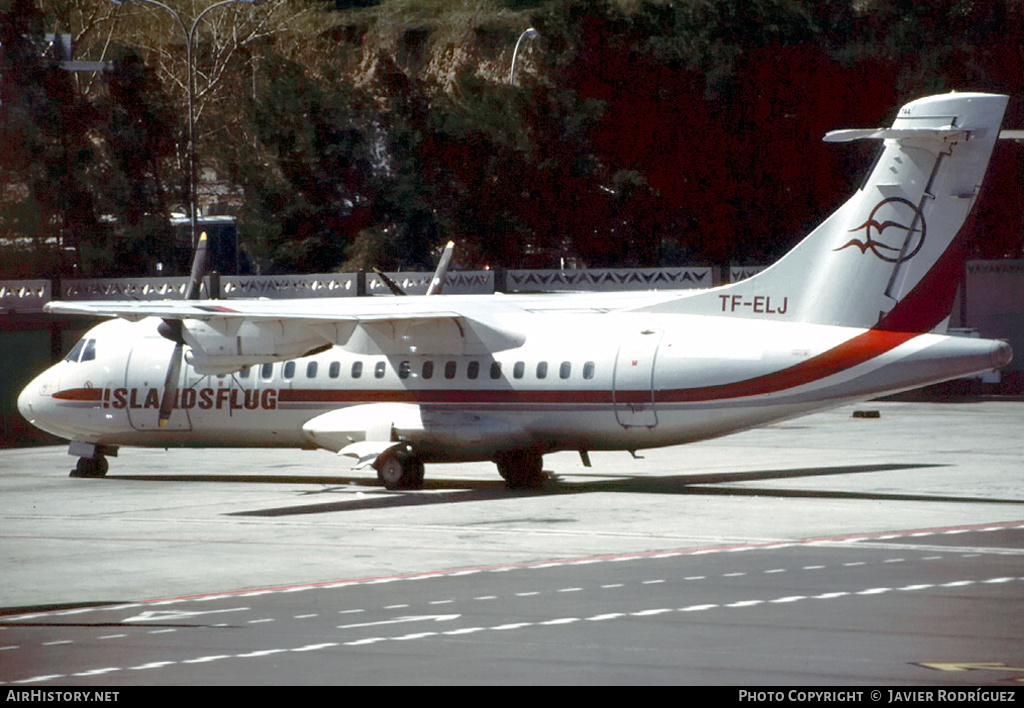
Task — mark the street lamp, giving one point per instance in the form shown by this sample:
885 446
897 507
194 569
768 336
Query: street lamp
190 86
528 34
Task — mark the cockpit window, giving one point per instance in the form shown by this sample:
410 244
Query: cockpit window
85 350
76 351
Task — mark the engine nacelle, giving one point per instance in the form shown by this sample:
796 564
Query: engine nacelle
223 346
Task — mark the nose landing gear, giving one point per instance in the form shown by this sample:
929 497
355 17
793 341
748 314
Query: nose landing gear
92 460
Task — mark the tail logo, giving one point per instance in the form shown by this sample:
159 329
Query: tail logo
894 231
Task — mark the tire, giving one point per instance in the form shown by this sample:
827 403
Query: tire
522 469
399 470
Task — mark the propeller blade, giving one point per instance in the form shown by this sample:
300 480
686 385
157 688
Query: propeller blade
198 268
437 283
171 385
394 287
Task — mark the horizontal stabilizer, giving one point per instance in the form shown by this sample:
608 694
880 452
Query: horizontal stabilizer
947 134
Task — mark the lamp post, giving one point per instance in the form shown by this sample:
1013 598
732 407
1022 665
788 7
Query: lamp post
190 87
528 34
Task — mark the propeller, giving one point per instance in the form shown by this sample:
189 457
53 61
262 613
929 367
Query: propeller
173 330
436 282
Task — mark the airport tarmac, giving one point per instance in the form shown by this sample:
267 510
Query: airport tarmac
883 550
187 521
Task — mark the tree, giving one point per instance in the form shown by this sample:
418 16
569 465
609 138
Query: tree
49 164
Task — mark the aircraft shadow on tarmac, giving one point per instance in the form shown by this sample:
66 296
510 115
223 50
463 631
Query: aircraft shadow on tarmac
448 492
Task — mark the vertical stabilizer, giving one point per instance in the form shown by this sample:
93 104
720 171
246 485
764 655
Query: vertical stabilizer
884 259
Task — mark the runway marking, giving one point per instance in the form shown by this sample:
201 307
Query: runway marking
512 626
773 545
98 672
152 665
402 620
168 615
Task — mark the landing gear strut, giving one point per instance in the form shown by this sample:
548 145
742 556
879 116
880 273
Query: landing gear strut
522 469
398 469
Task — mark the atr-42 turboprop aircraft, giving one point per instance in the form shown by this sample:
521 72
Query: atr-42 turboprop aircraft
852 312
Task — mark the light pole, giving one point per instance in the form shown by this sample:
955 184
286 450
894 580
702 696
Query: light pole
190 87
528 34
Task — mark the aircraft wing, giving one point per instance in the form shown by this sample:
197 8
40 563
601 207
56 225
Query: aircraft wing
226 335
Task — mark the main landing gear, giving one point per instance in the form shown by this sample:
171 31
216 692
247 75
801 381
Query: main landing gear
399 469
522 469
90 467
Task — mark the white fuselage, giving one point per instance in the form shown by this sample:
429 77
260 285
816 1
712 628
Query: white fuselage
581 380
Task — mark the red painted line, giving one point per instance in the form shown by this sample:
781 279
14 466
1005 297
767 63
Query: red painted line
80 394
859 349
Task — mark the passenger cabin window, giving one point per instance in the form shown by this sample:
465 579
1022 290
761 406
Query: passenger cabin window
449 369
266 371
379 369
495 369
518 369
311 370
588 370
403 370
542 370
244 373
565 370
334 370
289 369
357 369
473 370
428 369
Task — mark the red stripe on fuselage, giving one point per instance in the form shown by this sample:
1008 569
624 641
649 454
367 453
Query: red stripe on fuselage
854 351
79 394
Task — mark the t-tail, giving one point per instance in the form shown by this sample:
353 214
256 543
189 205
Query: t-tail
887 259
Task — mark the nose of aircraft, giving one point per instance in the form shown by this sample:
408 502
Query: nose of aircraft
34 402
27 399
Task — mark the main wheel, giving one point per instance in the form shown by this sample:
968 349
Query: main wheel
399 470
90 467
522 469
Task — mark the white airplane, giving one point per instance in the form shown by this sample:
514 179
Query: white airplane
852 312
